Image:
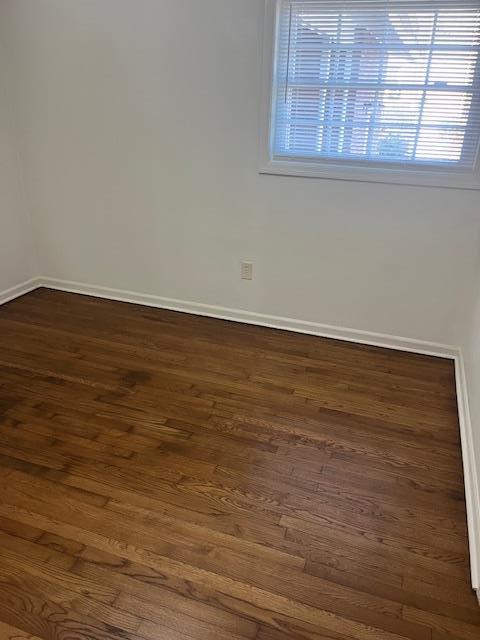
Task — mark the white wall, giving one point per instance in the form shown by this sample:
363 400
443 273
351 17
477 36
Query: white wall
140 139
471 343
471 350
17 261
471 353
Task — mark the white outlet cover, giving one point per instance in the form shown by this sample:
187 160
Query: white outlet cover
247 271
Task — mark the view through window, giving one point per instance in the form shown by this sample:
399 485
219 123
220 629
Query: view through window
393 82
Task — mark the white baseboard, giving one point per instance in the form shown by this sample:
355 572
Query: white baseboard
472 490
470 471
249 317
19 290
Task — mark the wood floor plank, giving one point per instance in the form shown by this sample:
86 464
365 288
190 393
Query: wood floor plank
67 598
181 546
179 596
26 605
7 632
170 476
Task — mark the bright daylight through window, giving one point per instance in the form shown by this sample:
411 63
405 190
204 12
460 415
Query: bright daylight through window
377 83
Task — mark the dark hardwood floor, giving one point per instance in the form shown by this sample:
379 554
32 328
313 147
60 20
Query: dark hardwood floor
167 477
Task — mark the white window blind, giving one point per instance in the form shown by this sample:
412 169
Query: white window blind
378 82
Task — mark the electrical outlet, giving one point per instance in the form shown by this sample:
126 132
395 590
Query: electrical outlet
247 271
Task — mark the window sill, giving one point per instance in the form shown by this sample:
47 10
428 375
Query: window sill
444 179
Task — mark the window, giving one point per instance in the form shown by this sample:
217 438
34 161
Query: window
383 90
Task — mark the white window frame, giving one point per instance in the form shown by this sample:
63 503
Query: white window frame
333 170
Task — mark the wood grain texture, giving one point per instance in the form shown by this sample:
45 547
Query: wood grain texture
166 476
